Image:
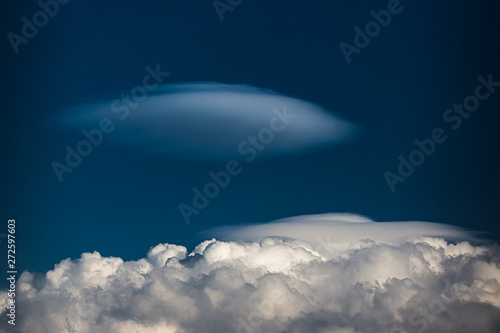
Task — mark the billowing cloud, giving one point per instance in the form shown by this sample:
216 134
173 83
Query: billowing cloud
213 120
277 284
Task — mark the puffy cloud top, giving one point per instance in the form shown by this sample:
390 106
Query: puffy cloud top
277 284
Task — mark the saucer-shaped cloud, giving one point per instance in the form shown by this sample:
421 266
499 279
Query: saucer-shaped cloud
335 233
215 121
278 284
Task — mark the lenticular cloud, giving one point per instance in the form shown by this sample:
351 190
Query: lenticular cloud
276 284
209 120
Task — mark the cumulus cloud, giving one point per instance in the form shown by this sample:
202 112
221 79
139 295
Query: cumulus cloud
276 284
210 120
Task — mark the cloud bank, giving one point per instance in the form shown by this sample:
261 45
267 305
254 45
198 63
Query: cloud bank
277 284
209 121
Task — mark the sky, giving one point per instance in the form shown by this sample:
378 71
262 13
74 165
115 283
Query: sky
352 117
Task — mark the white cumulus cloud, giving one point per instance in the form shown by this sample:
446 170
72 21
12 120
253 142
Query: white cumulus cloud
419 283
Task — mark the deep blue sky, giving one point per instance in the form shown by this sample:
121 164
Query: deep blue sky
121 201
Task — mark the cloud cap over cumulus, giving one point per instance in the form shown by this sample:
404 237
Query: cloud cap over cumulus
209 120
277 284
339 232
